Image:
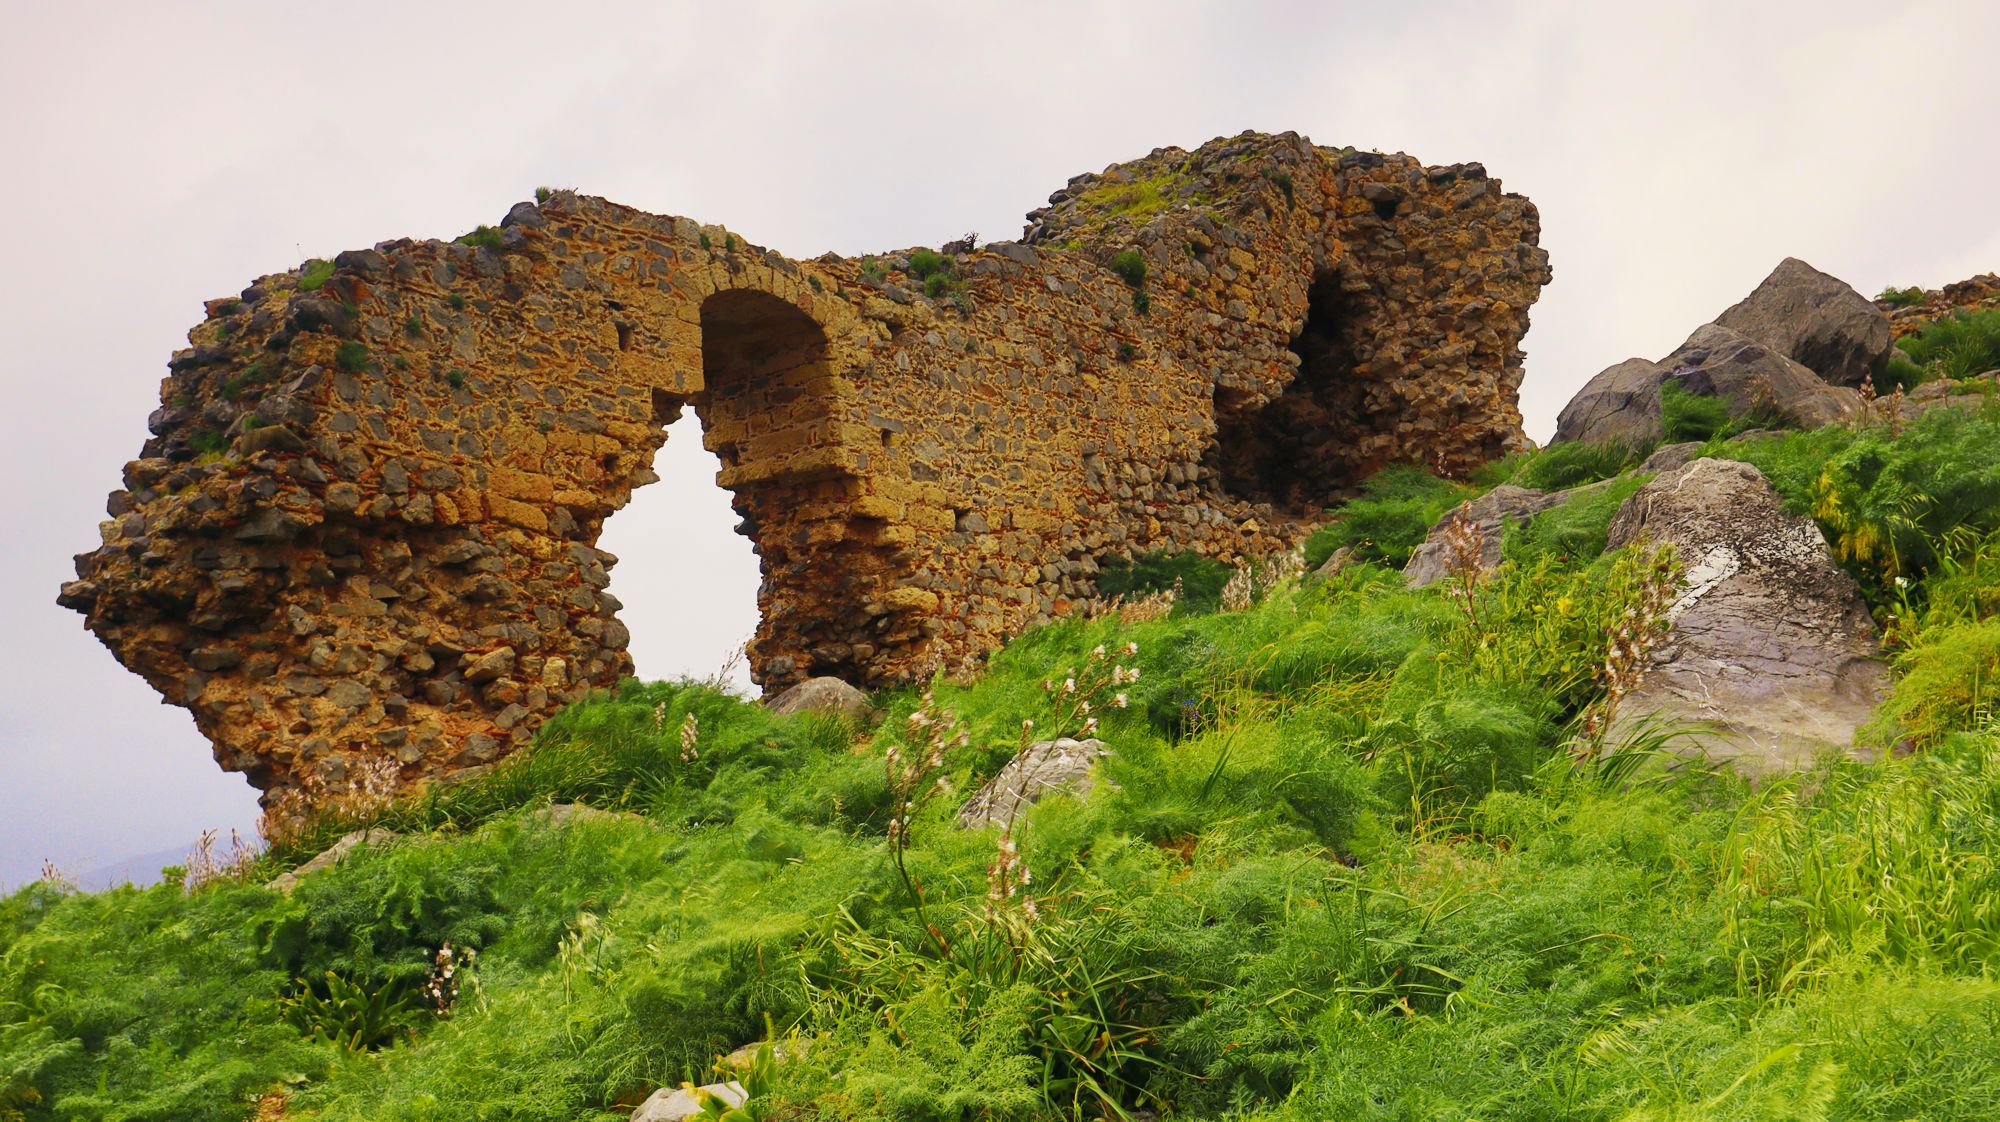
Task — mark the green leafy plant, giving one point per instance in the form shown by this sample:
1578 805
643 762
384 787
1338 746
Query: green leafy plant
343 1012
209 442
317 272
482 237
1130 267
1901 297
351 356
257 373
759 1079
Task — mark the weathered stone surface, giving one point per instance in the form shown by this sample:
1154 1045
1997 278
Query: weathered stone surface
822 695
1337 562
1972 294
1816 321
672 1104
329 857
1488 515
1771 641
1040 768
924 470
1671 457
1623 402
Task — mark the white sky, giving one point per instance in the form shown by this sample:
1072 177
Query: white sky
168 153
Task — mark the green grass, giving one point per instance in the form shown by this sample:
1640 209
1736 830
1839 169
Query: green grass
1575 532
1389 519
1901 297
482 237
317 272
1960 345
1685 415
1559 467
1345 866
1130 267
1200 579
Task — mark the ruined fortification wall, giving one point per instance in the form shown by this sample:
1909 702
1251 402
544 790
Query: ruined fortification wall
365 525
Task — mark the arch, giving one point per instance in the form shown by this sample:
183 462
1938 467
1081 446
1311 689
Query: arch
769 411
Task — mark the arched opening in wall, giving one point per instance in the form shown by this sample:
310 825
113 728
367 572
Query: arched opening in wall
1298 451
696 558
687 579
768 414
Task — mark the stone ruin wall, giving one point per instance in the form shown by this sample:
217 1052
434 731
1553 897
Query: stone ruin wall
365 525
1973 294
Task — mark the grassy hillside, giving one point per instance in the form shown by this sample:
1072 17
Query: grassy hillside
1358 858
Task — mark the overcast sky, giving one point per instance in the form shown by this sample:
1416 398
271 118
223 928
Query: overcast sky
168 153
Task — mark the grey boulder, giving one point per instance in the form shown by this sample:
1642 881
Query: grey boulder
1623 402
1771 645
1041 768
672 1104
1814 320
1490 515
822 695
329 857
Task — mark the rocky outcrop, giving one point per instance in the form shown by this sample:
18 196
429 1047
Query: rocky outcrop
365 523
1044 767
1816 321
1771 644
1758 357
1623 403
1973 294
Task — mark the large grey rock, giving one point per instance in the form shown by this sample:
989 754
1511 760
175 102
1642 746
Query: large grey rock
1490 515
1040 768
672 1104
329 857
1623 402
1671 457
1771 642
1814 320
822 695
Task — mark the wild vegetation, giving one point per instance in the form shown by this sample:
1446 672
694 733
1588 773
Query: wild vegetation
1358 856
1957 346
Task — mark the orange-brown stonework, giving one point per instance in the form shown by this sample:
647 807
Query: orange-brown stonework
365 526
1972 294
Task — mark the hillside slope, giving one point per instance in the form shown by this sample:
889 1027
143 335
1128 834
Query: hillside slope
1355 853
